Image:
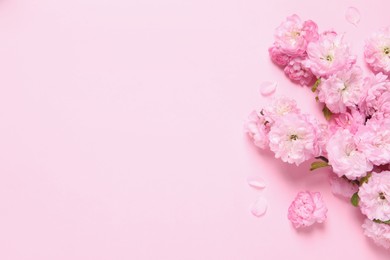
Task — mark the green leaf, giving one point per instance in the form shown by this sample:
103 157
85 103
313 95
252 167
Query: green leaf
316 84
327 113
364 179
381 222
318 164
355 199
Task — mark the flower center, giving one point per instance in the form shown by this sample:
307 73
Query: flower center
329 58
293 137
382 196
386 50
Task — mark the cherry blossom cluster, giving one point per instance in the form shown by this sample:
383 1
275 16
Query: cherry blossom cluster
353 141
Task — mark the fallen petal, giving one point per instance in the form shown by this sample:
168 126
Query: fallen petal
352 15
259 207
256 182
267 88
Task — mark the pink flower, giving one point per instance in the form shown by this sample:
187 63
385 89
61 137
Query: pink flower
257 129
375 196
328 55
374 140
377 97
307 209
377 51
293 35
349 120
293 138
378 232
342 90
280 107
298 73
345 158
278 57
342 187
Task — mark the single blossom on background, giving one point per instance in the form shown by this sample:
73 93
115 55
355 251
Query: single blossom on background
377 51
293 35
307 209
342 187
345 158
297 72
342 90
378 232
293 139
374 196
328 55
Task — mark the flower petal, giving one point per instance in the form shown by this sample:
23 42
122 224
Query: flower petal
268 88
256 182
259 207
352 15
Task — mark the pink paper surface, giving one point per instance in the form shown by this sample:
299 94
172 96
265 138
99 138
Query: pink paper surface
121 131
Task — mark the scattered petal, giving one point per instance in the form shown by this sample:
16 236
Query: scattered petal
352 15
259 207
256 182
267 88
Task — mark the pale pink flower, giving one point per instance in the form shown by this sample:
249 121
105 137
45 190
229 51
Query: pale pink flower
307 209
376 102
377 51
350 120
299 73
342 187
374 140
328 55
293 138
342 90
374 196
278 56
257 128
378 232
293 35
280 107
345 158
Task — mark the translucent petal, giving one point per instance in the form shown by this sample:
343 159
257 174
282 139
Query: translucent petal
352 15
259 207
268 88
256 182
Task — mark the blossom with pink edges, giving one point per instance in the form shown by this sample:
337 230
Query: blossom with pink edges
329 55
342 90
297 72
307 209
377 51
345 158
293 138
374 196
293 35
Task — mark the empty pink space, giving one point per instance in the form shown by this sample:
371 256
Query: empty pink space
121 132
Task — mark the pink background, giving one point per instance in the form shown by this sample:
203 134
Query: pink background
121 131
